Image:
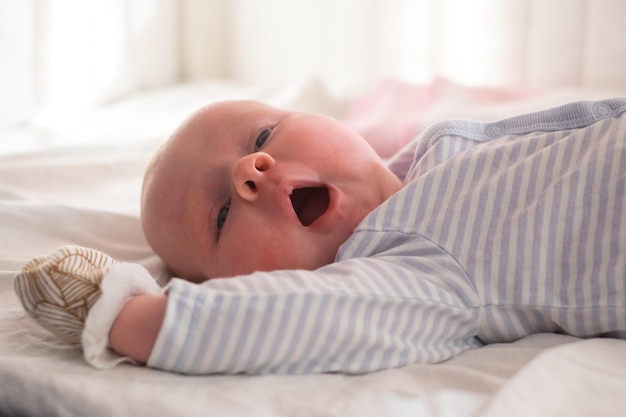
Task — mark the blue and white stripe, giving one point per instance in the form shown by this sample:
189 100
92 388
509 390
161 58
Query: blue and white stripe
502 230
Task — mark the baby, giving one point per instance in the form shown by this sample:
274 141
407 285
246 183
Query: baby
243 187
475 233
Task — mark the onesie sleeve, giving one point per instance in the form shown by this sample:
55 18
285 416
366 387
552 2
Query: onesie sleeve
354 316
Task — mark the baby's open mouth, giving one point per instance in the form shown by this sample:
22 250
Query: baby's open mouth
309 203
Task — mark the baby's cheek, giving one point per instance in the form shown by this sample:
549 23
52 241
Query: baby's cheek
282 253
272 257
252 255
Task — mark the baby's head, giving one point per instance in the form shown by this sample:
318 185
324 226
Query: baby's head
242 186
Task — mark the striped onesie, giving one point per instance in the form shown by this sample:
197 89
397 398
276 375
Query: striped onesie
501 230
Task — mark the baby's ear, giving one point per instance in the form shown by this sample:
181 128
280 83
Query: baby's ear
58 290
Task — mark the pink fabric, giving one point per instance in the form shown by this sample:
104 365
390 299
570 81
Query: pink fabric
392 114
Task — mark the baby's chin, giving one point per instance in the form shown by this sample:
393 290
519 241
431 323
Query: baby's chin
298 256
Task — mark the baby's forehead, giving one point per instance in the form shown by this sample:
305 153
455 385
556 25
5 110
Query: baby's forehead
217 119
218 116
234 108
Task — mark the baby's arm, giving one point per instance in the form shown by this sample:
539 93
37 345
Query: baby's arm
355 316
137 326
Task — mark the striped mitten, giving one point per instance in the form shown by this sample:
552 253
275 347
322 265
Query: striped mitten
58 290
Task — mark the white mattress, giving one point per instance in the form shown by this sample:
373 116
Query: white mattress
88 195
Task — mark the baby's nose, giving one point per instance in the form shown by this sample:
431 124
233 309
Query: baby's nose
250 172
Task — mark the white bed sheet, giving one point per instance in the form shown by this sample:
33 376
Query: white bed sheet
88 195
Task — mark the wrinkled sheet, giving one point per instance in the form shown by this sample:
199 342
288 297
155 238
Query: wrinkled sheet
89 195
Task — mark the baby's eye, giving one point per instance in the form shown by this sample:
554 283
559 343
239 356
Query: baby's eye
221 217
261 139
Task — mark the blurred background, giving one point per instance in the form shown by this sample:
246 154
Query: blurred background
61 58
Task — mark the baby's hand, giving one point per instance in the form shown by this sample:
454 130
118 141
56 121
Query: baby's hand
58 290
77 293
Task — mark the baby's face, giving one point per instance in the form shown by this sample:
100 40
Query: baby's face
242 186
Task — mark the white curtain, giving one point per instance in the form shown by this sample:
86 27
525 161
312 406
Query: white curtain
352 43
349 43
16 62
58 56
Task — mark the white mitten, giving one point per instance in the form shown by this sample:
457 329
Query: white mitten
76 293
